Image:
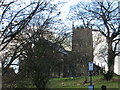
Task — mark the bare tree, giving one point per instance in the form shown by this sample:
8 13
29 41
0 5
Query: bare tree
104 17
31 39
16 22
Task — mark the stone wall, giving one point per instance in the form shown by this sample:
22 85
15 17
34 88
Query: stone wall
82 49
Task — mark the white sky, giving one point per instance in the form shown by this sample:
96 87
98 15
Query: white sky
65 9
66 6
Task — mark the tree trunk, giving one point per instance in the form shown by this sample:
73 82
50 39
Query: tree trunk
59 70
65 70
40 81
111 57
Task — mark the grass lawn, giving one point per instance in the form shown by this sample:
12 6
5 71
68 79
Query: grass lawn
77 82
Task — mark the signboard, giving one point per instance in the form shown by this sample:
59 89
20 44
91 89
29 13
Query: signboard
90 66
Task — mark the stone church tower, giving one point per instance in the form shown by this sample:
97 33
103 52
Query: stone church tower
82 49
